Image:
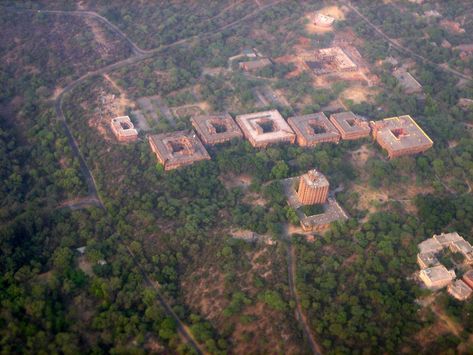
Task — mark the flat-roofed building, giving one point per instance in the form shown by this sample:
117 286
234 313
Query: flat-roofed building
437 277
265 128
314 129
445 239
177 149
426 260
337 56
430 245
400 136
462 246
350 126
313 188
124 129
468 278
320 222
255 64
214 129
459 290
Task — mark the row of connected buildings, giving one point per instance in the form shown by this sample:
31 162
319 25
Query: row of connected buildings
398 135
435 275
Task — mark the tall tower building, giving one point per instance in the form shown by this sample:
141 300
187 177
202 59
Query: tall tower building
313 188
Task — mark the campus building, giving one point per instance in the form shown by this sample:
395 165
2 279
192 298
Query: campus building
123 129
330 60
437 277
215 129
313 129
313 188
459 290
317 223
265 128
400 136
426 260
177 149
350 126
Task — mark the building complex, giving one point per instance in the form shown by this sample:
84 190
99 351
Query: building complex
177 149
214 129
265 128
435 275
350 126
313 188
400 136
124 129
314 129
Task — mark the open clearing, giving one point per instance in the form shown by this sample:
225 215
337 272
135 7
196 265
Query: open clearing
358 94
336 12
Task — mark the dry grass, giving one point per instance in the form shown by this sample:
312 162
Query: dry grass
358 94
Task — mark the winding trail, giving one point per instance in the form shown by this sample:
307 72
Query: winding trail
400 47
138 56
182 329
300 316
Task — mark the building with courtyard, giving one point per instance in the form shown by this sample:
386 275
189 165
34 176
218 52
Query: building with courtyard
314 129
350 126
313 189
265 128
124 129
215 129
400 136
437 277
177 149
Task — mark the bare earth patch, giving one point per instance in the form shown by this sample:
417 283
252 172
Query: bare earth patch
358 94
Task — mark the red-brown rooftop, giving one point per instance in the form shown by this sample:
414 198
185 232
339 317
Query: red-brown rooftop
350 126
214 129
313 129
177 149
264 128
400 136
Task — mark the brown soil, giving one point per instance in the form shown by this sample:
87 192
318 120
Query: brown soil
358 94
269 331
123 101
232 181
360 157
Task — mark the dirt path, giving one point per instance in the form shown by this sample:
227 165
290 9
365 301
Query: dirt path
182 329
451 325
400 47
139 55
300 316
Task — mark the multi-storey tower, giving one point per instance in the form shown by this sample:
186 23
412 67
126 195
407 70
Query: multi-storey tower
313 188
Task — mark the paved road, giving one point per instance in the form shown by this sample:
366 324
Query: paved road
300 316
400 47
